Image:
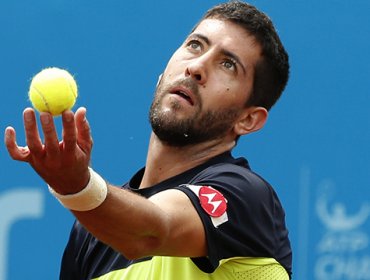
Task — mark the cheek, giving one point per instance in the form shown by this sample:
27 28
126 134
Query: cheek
173 65
220 86
226 94
236 90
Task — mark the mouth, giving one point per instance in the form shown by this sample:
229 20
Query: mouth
183 93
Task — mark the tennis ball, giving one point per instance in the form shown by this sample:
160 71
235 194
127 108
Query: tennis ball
53 90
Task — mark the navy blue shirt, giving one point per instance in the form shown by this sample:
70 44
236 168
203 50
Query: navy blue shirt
240 211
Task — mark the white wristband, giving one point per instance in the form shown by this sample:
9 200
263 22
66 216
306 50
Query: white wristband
88 198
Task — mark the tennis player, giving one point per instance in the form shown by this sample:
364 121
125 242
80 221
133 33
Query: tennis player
194 211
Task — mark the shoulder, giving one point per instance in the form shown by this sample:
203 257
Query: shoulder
233 176
244 190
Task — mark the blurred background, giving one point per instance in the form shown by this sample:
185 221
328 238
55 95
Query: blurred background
314 149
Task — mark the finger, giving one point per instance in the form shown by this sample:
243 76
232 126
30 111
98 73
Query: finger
15 152
50 135
69 131
33 139
84 138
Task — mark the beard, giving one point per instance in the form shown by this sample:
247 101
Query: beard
199 127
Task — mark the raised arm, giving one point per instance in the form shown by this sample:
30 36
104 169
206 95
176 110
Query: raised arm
131 224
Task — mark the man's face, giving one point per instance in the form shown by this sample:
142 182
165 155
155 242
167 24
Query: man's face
205 85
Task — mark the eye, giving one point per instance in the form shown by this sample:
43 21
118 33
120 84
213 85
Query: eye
194 45
229 64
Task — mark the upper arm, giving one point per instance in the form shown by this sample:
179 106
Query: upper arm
186 236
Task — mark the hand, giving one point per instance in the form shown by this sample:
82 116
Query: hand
63 165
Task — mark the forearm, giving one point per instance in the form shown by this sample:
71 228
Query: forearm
127 222
133 225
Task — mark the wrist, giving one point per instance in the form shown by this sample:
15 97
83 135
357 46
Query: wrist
89 198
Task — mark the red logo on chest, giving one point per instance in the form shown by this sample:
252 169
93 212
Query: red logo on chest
212 201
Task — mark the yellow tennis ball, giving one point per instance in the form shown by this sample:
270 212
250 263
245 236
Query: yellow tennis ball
53 90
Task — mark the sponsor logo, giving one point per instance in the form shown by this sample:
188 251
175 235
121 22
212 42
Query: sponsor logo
212 201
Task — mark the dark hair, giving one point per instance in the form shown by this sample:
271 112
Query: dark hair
272 71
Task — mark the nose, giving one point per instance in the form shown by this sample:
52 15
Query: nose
197 70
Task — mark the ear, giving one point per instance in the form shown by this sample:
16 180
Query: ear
252 119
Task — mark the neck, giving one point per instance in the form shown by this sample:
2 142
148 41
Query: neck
164 161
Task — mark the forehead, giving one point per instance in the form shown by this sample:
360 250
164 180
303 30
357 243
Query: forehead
230 36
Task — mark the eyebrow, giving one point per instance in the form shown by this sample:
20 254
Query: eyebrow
223 51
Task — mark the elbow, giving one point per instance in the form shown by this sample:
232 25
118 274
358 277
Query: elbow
151 243
145 247
149 237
